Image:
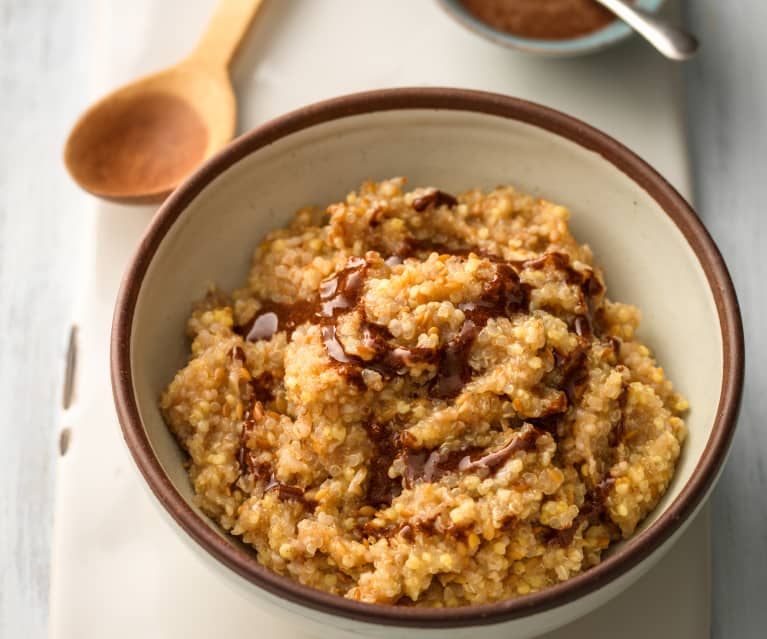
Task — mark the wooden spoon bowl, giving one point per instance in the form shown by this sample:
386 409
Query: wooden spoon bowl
138 143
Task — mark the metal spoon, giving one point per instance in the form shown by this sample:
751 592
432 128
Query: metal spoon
673 42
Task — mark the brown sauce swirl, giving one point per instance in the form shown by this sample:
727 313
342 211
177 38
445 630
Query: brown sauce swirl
262 471
586 325
286 492
569 374
453 370
618 431
589 513
342 291
413 247
490 462
275 317
433 197
245 457
261 388
502 296
431 466
381 489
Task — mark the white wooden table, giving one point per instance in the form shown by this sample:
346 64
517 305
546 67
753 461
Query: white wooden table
44 46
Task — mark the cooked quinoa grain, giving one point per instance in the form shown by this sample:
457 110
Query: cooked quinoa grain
425 400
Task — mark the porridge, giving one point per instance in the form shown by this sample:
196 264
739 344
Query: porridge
422 399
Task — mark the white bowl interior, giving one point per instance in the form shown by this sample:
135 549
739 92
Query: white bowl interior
646 258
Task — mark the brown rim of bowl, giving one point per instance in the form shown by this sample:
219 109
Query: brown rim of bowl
558 123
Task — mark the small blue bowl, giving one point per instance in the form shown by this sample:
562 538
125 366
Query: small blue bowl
589 43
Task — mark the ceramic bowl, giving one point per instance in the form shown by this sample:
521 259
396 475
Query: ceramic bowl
655 252
611 34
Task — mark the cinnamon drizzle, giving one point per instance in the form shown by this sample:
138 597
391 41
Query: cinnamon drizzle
275 317
341 293
618 431
381 489
585 325
503 296
286 492
431 466
262 471
433 197
490 462
590 512
245 457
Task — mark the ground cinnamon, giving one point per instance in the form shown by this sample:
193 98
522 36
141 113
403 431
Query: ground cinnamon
541 19
145 143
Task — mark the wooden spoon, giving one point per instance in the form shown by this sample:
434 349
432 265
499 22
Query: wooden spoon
135 145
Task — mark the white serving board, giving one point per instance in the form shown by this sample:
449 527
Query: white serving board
118 569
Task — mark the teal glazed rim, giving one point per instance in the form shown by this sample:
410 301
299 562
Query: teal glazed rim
591 42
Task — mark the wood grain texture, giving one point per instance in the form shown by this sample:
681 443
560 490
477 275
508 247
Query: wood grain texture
727 98
43 56
42 61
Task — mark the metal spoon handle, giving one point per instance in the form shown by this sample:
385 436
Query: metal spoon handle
671 41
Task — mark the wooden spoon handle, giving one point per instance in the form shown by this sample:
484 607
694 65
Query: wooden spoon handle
225 32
